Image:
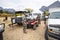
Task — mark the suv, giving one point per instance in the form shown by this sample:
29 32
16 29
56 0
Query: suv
30 21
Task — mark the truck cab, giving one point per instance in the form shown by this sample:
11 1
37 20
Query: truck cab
53 24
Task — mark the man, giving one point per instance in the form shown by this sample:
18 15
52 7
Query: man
38 17
24 24
44 20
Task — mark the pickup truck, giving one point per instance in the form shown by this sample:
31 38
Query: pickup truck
53 24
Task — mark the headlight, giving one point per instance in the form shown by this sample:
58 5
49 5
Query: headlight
53 30
2 27
50 30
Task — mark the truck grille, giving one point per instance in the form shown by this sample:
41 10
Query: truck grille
55 28
18 19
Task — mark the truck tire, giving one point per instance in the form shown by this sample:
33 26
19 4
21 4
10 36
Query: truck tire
1 36
34 27
37 24
46 34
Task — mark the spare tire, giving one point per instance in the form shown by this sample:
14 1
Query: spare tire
46 34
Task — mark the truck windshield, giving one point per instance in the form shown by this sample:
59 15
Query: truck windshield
54 15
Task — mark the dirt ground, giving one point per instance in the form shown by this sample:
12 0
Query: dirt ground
16 33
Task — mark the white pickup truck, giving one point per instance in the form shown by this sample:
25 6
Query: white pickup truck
53 24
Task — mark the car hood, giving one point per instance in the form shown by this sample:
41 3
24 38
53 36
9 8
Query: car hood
54 21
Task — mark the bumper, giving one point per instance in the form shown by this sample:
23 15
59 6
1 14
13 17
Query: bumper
18 21
56 36
30 24
33 23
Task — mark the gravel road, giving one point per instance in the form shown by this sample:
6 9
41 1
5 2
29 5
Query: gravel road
16 33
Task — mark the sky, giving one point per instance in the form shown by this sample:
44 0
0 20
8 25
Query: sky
22 4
